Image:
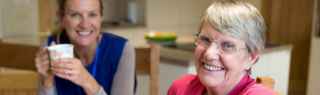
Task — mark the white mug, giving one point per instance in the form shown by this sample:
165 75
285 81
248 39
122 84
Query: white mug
61 51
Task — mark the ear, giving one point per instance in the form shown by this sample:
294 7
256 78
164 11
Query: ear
59 19
59 15
253 58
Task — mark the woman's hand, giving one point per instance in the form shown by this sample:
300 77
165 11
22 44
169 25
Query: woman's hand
72 69
43 67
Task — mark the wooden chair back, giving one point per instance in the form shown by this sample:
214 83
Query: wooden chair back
266 81
147 63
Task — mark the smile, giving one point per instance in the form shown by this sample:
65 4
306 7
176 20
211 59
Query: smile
84 33
210 67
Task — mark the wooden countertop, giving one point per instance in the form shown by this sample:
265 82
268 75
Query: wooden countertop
16 78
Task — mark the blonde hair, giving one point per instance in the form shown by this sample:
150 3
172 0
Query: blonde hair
62 6
238 19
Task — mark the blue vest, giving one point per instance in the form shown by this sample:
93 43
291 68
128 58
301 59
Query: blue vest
103 67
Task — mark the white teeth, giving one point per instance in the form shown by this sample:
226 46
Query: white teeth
211 67
84 33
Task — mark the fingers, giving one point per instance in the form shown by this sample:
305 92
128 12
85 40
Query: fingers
71 69
42 62
66 68
62 64
68 74
42 54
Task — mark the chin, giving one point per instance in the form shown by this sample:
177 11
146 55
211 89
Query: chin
84 43
210 81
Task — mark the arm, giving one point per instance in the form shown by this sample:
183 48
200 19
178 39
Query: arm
46 85
47 91
123 82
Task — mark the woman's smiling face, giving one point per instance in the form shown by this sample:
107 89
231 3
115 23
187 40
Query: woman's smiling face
221 60
82 21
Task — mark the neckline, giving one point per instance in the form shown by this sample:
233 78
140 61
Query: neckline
245 81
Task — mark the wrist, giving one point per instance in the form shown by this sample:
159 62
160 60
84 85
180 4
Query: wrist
91 87
47 82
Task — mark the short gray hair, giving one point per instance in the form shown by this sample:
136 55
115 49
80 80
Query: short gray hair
238 19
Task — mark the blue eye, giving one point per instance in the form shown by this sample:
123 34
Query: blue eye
228 46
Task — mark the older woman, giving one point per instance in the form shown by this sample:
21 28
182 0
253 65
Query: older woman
230 40
104 63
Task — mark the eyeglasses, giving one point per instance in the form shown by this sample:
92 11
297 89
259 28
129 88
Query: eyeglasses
224 46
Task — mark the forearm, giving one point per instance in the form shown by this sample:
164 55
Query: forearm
47 91
123 82
92 87
46 88
101 92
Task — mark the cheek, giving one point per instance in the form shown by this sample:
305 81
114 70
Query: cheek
234 63
97 25
198 53
96 22
69 23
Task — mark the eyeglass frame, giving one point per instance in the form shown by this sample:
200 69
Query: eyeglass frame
224 49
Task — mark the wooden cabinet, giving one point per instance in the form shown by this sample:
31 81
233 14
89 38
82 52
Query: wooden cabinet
290 22
47 14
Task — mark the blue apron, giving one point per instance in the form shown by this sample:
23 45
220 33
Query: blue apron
103 67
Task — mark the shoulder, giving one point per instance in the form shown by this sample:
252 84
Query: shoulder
129 47
113 46
112 42
258 89
186 84
106 35
128 54
184 80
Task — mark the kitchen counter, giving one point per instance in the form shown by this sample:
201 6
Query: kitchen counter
183 50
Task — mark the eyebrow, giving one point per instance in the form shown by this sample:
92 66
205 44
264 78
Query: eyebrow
71 10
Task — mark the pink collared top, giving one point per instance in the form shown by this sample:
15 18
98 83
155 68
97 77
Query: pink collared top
191 85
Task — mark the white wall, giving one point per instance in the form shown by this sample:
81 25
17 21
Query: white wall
275 63
1 22
314 76
181 16
20 20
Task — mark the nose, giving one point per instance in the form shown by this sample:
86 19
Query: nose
84 23
212 52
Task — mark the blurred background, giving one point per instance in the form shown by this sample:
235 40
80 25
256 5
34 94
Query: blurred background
291 57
